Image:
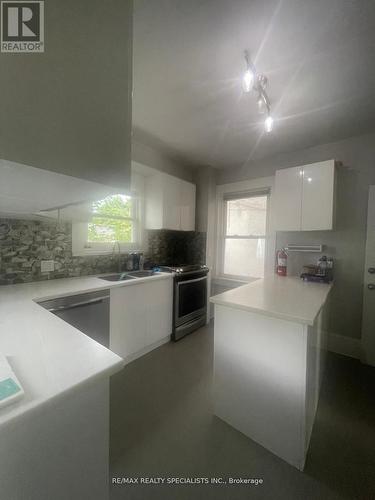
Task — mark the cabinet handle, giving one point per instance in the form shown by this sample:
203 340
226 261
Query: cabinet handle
371 286
371 270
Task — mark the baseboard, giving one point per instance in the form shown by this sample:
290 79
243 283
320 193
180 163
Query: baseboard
347 346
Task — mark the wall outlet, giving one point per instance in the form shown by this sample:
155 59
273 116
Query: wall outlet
46 266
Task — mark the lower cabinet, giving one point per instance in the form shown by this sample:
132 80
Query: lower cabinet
140 317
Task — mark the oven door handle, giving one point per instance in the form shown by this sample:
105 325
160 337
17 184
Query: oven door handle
189 273
185 282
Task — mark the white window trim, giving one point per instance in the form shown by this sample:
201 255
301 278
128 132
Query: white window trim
80 248
80 230
250 187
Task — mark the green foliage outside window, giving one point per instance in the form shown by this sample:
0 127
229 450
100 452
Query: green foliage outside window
108 223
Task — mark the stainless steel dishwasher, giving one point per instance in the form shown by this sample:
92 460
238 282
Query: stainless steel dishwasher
88 312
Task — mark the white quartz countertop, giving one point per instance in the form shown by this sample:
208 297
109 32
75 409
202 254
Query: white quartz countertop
287 298
49 356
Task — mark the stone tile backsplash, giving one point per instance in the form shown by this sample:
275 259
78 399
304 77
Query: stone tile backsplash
25 243
173 248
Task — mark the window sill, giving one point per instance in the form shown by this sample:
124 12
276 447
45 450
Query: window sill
92 252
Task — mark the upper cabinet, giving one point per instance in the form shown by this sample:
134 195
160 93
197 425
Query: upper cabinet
304 197
187 206
288 198
27 191
170 203
68 109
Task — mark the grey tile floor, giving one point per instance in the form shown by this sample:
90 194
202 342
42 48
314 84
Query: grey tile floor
162 425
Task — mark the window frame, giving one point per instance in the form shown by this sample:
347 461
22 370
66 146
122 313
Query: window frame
103 247
80 246
222 231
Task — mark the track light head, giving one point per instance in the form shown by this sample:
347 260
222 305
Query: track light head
248 80
268 124
258 82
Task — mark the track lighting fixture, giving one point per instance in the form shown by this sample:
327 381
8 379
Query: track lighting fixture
248 80
258 82
268 124
249 75
261 104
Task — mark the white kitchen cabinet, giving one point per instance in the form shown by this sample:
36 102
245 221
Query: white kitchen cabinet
25 190
288 199
304 197
170 203
270 348
318 198
140 317
187 210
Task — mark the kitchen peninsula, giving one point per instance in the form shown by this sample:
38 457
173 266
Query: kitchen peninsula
58 433
269 358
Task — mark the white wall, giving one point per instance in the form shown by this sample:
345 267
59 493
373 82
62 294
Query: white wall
347 242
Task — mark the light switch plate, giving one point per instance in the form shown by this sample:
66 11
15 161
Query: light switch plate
47 266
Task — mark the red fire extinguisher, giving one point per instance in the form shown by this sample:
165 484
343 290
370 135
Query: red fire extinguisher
281 262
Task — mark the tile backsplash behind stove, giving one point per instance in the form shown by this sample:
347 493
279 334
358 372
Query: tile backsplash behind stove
171 248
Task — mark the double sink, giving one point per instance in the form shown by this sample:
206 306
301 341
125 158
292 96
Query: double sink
130 275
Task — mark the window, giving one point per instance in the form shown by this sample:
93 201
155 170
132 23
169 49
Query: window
244 235
114 219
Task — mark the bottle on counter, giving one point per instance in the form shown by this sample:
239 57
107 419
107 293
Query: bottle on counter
130 263
281 262
322 266
141 262
330 268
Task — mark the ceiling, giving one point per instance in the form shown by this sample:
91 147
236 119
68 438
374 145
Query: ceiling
188 63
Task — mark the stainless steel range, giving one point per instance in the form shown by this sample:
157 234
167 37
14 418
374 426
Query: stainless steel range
189 298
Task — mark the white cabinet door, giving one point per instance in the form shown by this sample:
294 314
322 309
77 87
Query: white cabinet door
288 199
159 298
140 317
187 202
128 321
154 202
318 196
171 201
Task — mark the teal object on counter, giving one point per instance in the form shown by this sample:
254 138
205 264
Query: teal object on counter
8 387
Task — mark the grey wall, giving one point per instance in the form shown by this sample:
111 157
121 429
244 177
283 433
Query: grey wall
155 158
347 242
205 180
69 109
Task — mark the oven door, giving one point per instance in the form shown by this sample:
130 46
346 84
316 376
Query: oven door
190 299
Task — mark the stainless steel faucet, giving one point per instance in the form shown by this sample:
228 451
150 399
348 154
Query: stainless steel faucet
116 243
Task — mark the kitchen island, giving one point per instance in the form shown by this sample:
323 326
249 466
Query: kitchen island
269 358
